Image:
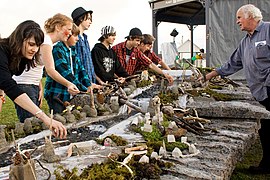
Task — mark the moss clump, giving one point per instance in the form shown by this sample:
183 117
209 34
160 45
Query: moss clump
217 96
155 135
118 140
144 83
114 171
62 174
167 98
108 170
212 86
155 145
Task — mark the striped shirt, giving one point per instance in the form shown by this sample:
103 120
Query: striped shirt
62 61
135 61
154 58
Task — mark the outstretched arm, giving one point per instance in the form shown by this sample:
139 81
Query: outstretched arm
159 71
164 65
26 103
46 53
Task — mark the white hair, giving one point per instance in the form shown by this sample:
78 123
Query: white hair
251 10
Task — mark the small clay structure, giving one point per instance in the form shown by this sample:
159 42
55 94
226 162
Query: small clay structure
28 126
144 75
133 83
109 142
70 117
168 110
19 129
90 112
100 97
59 118
114 104
49 155
22 168
150 108
3 141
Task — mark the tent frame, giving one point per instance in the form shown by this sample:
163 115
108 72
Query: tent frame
189 12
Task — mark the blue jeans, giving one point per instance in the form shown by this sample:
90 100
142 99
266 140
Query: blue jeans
33 92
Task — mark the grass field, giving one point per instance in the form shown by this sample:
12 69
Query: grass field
8 117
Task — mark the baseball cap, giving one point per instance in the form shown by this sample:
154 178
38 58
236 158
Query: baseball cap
135 32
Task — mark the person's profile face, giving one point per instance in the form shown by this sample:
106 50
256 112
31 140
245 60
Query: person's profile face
87 21
136 42
29 48
111 39
65 31
72 40
242 21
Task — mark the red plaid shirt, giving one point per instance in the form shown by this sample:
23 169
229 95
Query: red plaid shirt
136 60
154 58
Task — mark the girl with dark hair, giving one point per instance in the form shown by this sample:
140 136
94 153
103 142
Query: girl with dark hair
18 52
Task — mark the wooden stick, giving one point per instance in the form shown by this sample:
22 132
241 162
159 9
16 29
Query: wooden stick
137 108
13 138
50 137
197 119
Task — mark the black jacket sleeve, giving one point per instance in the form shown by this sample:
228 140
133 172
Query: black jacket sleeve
7 84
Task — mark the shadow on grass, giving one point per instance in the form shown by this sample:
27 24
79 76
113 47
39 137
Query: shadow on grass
251 158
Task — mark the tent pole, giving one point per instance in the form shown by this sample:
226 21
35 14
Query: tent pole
155 31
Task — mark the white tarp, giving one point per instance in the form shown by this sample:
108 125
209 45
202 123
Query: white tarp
169 52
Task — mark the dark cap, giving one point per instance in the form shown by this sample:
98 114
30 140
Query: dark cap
78 12
135 32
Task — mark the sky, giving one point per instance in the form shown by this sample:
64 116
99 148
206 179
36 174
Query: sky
123 15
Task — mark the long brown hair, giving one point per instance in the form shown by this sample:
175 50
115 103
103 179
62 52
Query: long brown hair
14 43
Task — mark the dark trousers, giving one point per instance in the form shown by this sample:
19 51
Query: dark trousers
54 104
264 134
33 92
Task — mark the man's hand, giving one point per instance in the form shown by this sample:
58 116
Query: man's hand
208 76
169 78
121 80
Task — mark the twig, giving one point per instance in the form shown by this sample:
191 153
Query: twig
50 137
44 168
197 119
13 138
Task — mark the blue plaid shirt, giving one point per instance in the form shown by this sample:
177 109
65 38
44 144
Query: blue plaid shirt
84 53
61 55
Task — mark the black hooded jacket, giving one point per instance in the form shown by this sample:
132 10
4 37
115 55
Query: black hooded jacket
106 63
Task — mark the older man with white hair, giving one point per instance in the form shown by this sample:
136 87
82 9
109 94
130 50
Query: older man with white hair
253 55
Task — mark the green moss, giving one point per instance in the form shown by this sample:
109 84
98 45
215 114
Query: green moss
212 86
217 96
62 174
155 145
114 171
119 141
155 135
167 98
144 83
